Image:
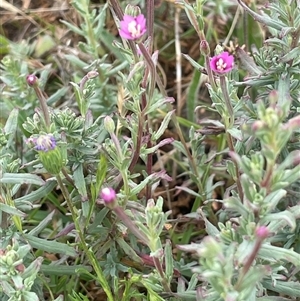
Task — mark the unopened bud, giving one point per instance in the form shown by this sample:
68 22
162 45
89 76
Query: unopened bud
204 48
257 125
109 124
92 74
262 232
31 80
108 195
273 98
219 49
132 10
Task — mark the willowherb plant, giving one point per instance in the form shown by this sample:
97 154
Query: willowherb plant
93 161
236 263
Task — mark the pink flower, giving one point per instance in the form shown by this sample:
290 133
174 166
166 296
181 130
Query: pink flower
108 195
222 63
132 28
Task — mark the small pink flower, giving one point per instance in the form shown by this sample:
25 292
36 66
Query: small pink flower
222 63
132 28
108 195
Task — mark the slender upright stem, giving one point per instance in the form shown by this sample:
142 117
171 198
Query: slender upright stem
249 262
210 74
100 275
119 211
150 23
178 51
238 178
228 103
151 68
159 268
43 103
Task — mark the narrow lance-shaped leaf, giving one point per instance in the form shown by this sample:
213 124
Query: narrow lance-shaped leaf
22 178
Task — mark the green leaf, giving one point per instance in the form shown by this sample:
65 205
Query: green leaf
235 133
75 60
280 254
289 288
44 44
247 61
50 246
43 224
169 261
57 95
128 250
37 194
210 228
22 178
101 173
12 122
272 298
282 218
61 270
193 62
80 182
73 27
193 94
265 19
11 210
163 125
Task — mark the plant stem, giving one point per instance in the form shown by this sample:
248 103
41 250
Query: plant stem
151 68
159 268
119 211
150 22
249 262
228 104
238 178
87 251
43 104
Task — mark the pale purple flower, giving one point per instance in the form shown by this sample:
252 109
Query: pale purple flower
132 28
43 143
108 195
222 63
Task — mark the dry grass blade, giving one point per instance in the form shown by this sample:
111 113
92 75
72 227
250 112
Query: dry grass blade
9 7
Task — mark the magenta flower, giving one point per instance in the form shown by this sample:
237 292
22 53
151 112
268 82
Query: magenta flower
132 28
108 195
222 63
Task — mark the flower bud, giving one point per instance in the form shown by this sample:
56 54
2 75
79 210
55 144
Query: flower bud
273 97
108 195
31 80
258 125
132 10
109 124
204 48
262 232
92 74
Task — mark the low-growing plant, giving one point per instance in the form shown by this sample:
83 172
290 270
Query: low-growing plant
87 173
